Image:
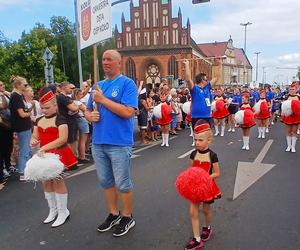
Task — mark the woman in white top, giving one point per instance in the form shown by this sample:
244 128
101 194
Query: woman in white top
83 126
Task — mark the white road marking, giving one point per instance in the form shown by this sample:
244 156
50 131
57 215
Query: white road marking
151 145
133 156
250 172
185 154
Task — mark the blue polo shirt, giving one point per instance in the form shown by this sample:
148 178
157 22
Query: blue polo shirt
111 128
200 101
269 96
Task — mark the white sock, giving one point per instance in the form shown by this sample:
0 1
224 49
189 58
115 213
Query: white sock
294 140
167 139
163 139
216 129
222 130
289 143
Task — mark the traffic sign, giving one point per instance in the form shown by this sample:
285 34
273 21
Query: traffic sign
48 55
49 76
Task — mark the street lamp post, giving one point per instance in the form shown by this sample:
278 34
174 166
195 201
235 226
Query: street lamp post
245 25
257 53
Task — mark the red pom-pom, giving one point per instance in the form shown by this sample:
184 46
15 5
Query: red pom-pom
194 184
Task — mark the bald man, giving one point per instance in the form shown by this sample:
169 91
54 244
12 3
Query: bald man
111 109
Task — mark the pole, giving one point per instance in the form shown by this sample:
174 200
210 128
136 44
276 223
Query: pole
62 56
78 44
95 59
245 25
256 76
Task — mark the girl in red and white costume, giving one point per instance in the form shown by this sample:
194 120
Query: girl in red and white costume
197 184
245 119
291 117
262 114
220 112
166 110
51 132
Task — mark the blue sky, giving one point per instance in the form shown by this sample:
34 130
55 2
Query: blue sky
275 30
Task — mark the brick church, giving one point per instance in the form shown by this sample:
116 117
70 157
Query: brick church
152 41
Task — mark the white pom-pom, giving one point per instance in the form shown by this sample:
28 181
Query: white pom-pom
213 106
286 108
256 107
239 117
157 111
186 107
45 167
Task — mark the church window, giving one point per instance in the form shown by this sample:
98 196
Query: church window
146 15
130 69
184 39
165 37
155 14
137 39
128 39
156 37
173 67
146 38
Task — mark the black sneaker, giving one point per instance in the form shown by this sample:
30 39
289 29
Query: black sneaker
193 244
206 233
110 221
124 226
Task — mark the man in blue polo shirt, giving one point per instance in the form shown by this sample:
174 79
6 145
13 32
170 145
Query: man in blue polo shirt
111 108
201 96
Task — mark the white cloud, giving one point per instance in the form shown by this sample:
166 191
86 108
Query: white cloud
273 21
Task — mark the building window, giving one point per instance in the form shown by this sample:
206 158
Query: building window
137 23
184 39
137 39
165 21
156 37
155 14
147 38
173 67
119 43
165 37
130 69
146 15
128 39
175 36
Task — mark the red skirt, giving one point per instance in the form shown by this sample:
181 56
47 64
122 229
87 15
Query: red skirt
263 115
66 156
293 119
166 117
220 114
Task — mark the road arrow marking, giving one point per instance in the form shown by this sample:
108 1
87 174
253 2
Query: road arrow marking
250 172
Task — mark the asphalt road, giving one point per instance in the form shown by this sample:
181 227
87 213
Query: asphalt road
265 216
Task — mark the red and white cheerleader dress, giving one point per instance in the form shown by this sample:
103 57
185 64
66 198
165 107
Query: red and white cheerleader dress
195 183
248 116
290 110
261 109
219 108
50 134
166 110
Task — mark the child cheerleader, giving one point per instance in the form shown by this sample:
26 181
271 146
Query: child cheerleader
165 119
290 110
51 132
262 114
220 111
245 119
197 184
